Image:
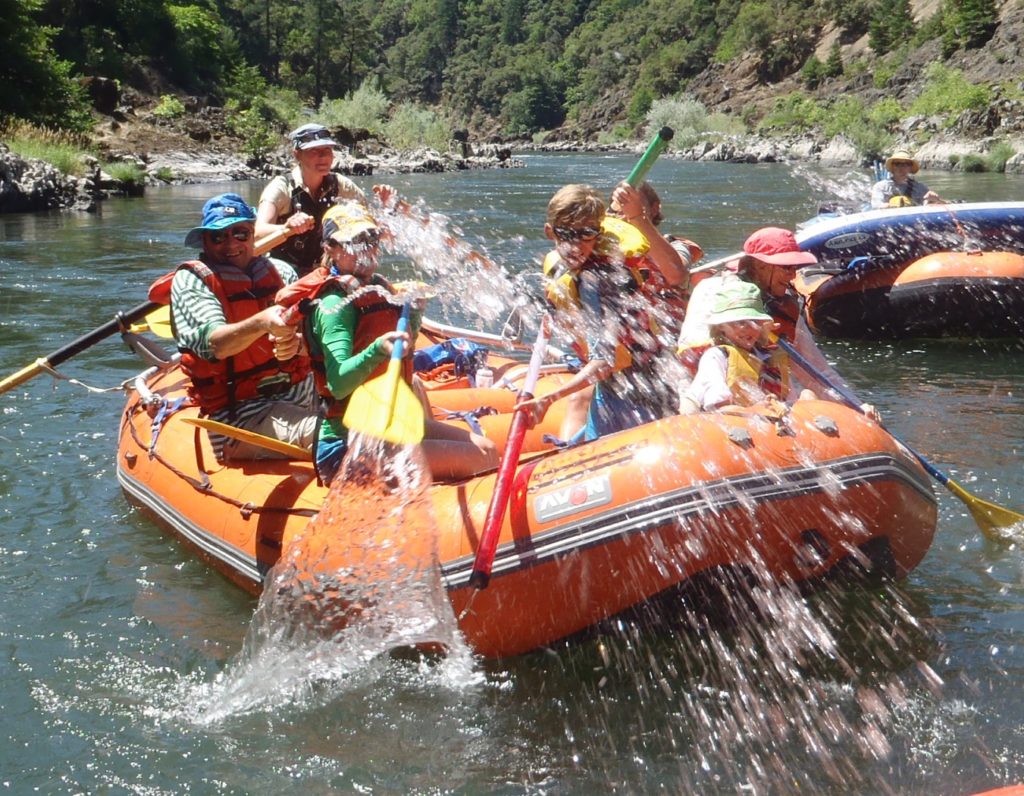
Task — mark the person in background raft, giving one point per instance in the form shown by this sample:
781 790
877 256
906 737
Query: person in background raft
350 332
299 199
597 296
900 189
243 360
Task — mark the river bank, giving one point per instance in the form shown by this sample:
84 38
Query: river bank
186 154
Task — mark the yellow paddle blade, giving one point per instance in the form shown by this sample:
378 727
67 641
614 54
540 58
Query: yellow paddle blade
251 437
386 408
989 516
158 322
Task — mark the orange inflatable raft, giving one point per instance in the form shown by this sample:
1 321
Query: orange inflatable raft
591 531
944 294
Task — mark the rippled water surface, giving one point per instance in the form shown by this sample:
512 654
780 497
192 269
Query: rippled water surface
128 666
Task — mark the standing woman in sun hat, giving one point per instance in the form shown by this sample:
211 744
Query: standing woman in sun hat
900 189
298 200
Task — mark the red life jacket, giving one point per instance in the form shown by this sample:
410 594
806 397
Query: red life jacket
375 315
254 372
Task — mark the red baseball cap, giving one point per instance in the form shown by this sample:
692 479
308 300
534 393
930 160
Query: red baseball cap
777 246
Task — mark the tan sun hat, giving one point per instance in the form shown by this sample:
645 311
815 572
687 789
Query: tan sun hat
905 156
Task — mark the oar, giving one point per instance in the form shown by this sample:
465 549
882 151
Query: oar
65 353
385 407
988 516
655 148
251 437
484 560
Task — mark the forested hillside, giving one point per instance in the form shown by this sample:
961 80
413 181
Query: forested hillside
501 68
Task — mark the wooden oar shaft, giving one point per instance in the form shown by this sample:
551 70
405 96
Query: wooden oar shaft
77 346
272 241
250 437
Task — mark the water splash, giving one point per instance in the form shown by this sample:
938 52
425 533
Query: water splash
362 580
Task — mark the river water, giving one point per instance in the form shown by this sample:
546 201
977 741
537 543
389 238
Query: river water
115 640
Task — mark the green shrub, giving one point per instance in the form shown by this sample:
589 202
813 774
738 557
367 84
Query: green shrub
131 175
285 106
834 63
65 151
792 113
685 115
366 110
973 163
169 107
947 92
412 126
998 155
640 104
812 72
954 159
886 113
257 133
165 174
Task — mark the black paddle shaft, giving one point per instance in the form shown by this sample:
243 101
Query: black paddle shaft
101 332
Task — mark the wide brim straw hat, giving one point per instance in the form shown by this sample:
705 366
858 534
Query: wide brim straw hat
904 155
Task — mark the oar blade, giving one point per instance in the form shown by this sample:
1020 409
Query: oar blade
159 322
990 517
386 408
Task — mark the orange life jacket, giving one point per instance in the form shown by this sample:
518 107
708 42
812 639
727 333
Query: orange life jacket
375 315
254 372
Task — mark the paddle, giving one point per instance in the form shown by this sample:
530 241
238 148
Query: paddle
121 321
484 560
386 407
251 437
654 149
988 516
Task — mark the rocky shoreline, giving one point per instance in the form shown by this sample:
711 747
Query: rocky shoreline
28 185
943 153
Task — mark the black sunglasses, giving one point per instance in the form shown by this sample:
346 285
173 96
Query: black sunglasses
363 240
312 135
238 233
572 234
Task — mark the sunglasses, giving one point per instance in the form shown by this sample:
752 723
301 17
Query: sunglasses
312 135
242 234
569 234
361 242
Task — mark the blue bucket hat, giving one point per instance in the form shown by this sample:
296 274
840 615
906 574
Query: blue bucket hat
311 135
222 211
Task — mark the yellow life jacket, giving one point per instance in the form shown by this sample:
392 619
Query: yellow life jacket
561 282
748 375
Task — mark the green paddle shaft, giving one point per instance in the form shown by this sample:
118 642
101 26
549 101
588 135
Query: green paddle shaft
122 321
656 147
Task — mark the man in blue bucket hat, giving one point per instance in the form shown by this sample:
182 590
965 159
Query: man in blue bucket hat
244 361
297 201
